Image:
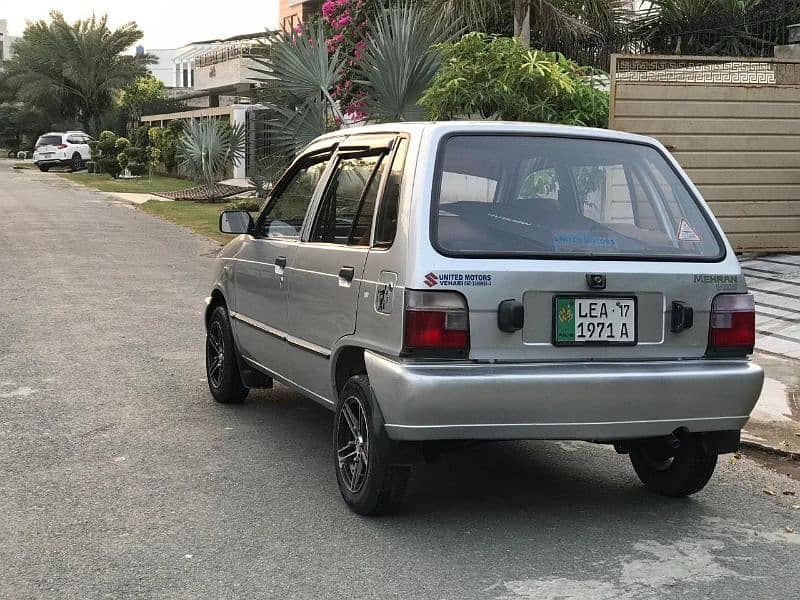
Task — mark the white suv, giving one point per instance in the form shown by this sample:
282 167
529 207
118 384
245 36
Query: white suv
70 149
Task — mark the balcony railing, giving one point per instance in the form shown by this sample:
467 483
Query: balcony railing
231 52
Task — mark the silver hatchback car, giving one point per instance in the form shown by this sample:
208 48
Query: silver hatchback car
434 282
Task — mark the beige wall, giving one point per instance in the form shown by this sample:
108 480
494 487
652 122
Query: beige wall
226 74
739 142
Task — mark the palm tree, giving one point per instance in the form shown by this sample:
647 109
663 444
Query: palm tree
78 68
721 27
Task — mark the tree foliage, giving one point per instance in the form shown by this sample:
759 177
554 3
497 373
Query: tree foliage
720 27
497 77
75 70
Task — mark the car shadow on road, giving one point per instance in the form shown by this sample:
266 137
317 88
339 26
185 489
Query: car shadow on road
523 478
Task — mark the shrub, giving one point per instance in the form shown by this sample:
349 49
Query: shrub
123 160
110 166
165 140
248 204
498 77
137 169
122 144
104 145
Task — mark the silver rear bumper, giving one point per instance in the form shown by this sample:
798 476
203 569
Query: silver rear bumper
588 401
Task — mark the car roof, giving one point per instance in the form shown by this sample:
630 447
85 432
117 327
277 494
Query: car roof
512 127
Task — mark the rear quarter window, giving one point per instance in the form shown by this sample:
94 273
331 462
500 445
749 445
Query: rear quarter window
553 196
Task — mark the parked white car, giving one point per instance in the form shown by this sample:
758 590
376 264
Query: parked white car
68 149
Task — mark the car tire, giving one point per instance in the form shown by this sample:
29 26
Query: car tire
44 169
366 460
76 164
222 367
686 472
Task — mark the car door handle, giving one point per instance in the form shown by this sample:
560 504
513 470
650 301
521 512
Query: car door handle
347 273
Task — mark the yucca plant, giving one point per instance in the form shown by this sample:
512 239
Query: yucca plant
401 58
207 147
297 75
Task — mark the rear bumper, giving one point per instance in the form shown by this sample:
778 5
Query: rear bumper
52 162
589 401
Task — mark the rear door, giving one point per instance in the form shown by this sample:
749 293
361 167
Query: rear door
47 145
327 270
596 239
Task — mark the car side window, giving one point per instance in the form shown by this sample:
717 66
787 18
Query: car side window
345 213
74 140
286 211
386 225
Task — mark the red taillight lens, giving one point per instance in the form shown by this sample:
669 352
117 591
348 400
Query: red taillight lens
733 322
61 146
436 324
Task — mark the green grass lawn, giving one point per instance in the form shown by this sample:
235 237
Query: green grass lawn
201 217
143 185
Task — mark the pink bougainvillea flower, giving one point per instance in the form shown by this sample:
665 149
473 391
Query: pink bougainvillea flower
328 8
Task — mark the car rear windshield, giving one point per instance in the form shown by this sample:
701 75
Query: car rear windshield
49 140
511 195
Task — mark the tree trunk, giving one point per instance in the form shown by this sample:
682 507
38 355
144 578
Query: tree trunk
522 21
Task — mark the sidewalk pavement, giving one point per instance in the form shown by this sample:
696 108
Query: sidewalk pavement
134 198
775 422
774 281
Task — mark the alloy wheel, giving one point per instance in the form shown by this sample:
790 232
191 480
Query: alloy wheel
215 354
352 444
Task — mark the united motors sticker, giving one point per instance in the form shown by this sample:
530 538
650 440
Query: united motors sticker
458 279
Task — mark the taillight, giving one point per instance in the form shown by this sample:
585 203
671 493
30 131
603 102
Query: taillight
436 324
61 146
733 324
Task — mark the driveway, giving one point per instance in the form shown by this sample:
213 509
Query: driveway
120 478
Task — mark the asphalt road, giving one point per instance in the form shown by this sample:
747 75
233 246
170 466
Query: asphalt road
121 478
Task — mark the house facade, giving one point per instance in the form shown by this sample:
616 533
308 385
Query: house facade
293 12
6 41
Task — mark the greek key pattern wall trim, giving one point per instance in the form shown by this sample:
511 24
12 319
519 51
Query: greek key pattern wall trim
711 70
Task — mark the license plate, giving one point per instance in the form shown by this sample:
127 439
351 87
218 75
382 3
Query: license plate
597 320
47 154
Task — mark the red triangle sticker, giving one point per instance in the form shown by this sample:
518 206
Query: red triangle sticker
686 233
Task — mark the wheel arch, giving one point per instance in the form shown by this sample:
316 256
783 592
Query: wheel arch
216 299
347 361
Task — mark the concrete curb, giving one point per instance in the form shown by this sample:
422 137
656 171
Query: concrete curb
754 445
